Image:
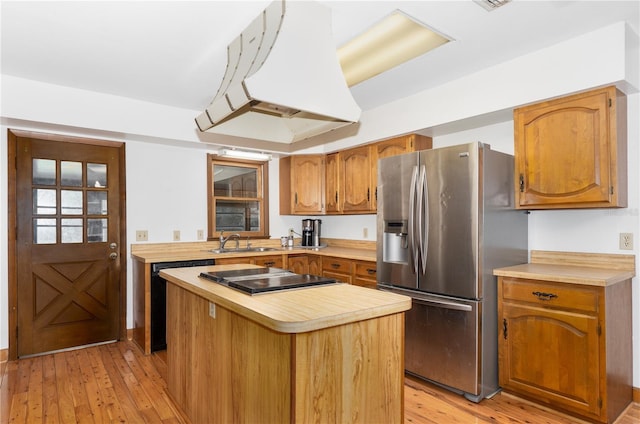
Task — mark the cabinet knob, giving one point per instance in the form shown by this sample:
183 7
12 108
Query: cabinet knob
335 265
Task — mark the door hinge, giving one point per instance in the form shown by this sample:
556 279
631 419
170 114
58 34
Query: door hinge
611 189
368 194
295 201
600 403
504 328
521 183
610 103
599 330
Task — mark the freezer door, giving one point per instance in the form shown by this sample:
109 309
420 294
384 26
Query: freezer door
451 211
397 253
442 343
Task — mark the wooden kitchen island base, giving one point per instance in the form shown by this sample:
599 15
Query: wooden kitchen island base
230 368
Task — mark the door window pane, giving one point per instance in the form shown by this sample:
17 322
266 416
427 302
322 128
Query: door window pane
44 201
71 230
71 173
71 202
44 231
96 175
44 171
96 202
97 230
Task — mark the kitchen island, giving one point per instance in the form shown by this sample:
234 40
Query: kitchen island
332 353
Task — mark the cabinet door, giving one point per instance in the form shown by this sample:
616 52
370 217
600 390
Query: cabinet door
567 152
332 195
298 264
315 264
355 175
307 182
551 355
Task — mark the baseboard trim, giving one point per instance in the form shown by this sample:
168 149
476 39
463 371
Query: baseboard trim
4 358
636 394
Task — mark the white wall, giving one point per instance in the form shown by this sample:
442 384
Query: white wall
166 181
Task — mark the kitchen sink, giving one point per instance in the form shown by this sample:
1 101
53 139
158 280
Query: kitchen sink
244 249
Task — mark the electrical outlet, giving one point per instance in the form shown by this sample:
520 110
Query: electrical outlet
626 241
142 235
200 234
365 232
176 235
212 310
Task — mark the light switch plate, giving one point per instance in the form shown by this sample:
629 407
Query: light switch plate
142 235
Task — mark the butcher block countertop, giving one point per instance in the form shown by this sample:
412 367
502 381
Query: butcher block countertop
167 252
592 269
292 311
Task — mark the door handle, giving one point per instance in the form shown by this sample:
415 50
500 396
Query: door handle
113 256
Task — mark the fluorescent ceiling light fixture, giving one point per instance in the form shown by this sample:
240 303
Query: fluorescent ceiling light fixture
244 154
391 42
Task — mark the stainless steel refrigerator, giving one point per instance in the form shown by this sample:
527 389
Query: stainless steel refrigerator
445 220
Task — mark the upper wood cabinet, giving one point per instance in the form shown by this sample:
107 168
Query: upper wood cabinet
343 182
571 152
302 185
333 189
358 171
355 175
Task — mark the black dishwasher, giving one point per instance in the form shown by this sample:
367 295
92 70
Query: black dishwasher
159 300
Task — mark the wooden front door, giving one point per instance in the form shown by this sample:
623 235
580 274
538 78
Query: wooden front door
68 243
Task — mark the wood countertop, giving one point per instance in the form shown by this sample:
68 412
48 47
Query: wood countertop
591 269
192 251
292 311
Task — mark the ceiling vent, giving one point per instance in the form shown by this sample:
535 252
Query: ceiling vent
491 4
283 80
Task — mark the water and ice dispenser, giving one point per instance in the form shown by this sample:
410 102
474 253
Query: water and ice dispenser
395 245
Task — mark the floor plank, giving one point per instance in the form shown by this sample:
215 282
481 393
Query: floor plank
118 383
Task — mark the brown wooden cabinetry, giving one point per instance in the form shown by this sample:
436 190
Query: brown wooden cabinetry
266 260
566 345
333 194
343 182
364 274
305 264
302 185
355 175
571 152
338 268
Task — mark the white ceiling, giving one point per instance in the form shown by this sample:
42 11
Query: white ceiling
174 52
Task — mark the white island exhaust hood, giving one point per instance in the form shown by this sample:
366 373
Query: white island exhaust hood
283 81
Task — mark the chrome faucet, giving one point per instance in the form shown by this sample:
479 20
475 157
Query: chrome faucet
224 240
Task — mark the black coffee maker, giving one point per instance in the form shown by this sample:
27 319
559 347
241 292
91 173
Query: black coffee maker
311 232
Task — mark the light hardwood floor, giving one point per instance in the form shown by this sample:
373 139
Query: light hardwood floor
117 383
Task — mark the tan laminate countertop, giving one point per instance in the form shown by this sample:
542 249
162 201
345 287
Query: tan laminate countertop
292 311
169 255
566 274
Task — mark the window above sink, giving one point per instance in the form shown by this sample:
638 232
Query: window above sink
237 197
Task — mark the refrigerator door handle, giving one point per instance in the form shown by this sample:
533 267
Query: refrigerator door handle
413 240
428 300
424 217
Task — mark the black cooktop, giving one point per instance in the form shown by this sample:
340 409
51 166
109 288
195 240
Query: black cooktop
263 280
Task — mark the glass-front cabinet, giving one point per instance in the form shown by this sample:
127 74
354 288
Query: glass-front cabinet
237 197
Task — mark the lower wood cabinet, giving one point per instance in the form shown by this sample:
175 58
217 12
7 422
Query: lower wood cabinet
566 345
268 261
338 268
305 264
365 274
359 273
